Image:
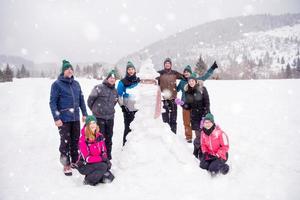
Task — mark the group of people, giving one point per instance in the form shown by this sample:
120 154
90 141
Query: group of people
211 143
89 150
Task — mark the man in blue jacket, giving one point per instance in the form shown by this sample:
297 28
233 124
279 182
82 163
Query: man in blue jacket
66 99
127 99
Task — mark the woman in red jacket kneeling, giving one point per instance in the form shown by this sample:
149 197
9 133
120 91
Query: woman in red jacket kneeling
214 146
93 162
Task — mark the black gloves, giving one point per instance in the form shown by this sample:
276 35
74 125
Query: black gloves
214 66
104 158
108 164
100 138
208 157
80 163
124 109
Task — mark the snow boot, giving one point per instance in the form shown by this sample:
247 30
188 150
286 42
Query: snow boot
225 169
67 170
108 177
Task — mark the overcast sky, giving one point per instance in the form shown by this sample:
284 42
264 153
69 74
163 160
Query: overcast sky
97 30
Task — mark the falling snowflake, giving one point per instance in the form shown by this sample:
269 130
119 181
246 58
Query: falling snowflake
290 92
159 27
26 188
91 31
170 16
11 174
24 51
132 29
248 9
124 19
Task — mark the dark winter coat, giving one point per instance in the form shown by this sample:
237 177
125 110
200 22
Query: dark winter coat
196 100
167 81
102 100
65 99
184 81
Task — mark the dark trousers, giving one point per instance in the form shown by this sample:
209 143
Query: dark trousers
128 118
106 128
197 145
69 136
93 172
215 166
170 114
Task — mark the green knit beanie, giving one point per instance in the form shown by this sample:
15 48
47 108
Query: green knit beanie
66 65
129 65
188 69
193 76
209 117
90 118
111 73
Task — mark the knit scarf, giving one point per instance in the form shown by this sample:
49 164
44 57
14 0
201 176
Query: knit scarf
209 131
129 80
105 82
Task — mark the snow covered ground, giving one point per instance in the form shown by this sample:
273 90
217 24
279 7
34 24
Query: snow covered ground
261 118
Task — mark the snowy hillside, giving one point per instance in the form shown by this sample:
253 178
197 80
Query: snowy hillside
258 46
261 119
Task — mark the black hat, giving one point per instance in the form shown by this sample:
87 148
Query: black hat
168 60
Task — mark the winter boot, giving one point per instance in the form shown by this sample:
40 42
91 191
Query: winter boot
108 177
189 140
225 169
67 170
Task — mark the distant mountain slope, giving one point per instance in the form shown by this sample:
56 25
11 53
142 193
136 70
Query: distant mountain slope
234 43
15 61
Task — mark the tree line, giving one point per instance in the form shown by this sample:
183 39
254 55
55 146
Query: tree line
254 68
95 71
247 69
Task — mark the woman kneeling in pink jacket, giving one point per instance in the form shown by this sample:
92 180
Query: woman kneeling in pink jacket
214 146
93 162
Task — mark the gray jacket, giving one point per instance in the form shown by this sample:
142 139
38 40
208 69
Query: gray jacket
102 101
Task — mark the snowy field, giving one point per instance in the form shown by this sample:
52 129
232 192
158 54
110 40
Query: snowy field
261 118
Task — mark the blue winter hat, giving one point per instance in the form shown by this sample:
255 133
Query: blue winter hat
65 65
